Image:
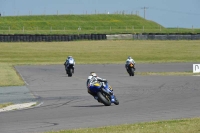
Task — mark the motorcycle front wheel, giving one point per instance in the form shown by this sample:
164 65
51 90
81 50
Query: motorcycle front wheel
104 99
132 72
70 72
116 101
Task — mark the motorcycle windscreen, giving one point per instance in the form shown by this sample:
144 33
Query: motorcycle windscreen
71 61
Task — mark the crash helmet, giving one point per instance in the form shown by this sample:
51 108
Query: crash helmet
69 57
129 57
93 74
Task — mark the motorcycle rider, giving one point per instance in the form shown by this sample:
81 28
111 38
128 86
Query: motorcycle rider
69 60
128 61
92 79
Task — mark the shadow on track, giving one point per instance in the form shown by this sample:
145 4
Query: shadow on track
90 106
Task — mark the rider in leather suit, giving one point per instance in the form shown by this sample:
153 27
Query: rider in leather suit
67 63
92 79
128 61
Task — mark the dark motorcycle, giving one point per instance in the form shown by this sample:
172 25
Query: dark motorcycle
105 94
131 69
69 70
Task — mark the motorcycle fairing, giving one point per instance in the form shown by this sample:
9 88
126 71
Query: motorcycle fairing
71 61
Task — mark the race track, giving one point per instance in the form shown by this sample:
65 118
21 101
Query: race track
67 105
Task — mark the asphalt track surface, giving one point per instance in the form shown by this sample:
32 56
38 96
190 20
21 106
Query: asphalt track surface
67 105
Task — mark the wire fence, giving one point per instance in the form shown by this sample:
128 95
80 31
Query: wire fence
92 29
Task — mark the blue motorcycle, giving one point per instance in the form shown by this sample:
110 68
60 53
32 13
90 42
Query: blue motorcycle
105 93
69 70
69 67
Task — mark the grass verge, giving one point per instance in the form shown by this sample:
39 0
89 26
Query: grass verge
172 126
8 76
5 105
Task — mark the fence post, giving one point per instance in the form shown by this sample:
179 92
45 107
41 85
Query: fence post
160 28
79 28
9 28
23 29
143 28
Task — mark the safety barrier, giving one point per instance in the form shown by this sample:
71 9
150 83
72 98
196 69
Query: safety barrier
166 37
50 38
58 38
154 36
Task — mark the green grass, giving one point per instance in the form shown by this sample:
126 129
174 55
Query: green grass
172 126
8 76
92 52
69 24
5 105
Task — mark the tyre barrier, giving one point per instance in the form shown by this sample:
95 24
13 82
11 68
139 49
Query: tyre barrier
50 38
59 38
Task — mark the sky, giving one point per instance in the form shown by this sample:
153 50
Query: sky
168 13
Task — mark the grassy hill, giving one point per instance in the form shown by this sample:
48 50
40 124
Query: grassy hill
87 23
83 24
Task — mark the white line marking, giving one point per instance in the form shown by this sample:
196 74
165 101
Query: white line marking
18 106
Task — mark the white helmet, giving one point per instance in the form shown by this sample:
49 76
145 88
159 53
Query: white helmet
69 57
129 57
93 74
